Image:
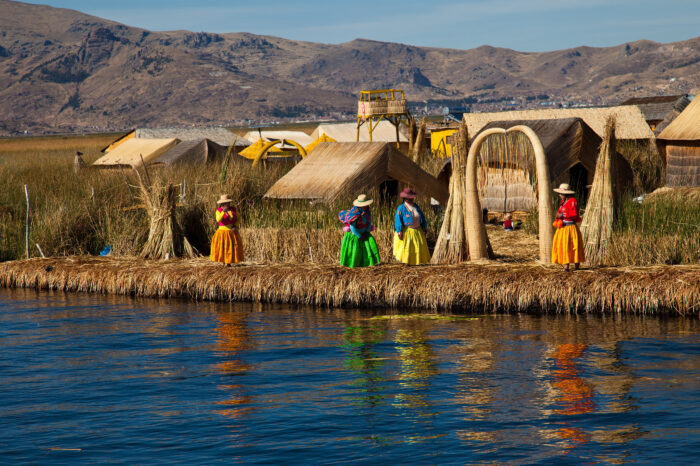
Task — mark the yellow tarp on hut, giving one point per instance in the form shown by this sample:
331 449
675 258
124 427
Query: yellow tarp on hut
319 140
253 151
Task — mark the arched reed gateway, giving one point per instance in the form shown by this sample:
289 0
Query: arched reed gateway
476 232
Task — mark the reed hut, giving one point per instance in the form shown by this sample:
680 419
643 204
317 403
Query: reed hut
507 172
191 152
631 122
679 145
334 170
659 110
135 152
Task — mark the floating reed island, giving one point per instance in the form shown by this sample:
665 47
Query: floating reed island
490 287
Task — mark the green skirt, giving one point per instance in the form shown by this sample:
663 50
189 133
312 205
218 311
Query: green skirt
356 252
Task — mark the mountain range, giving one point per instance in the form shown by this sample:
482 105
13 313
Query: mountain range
62 70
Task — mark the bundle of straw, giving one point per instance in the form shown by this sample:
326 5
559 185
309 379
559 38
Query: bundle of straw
451 246
417 148
597 225
165 236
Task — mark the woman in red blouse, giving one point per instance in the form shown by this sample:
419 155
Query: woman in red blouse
568 242
226 246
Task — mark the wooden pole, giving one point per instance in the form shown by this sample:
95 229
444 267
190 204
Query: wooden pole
26 233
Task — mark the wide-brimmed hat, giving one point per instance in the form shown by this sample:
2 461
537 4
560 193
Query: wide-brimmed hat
362 200
408 193
564 188
224 199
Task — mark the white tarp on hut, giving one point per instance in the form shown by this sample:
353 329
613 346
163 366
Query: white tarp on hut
299 137
130 152
221 136
347 132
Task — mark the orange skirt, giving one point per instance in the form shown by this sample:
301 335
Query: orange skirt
567 247
226 247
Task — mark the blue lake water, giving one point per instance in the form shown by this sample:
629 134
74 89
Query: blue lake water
87 379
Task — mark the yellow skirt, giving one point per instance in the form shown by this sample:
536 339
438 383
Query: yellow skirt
567 247
226 247
413 248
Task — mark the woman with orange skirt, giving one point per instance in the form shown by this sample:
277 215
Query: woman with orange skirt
226 246
567 247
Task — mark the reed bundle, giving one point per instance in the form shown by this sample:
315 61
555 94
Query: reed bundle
417 148
491 287
597 225
165 236
451 246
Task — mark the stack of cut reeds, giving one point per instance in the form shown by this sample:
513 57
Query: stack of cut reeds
597 225
165 236
451 246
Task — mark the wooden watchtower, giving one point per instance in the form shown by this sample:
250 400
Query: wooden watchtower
383 104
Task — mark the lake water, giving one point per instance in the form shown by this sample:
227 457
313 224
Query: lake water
87 379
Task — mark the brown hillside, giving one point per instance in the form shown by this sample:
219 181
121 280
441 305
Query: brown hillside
62 70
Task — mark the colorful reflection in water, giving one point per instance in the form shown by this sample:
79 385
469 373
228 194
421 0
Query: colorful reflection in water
94 379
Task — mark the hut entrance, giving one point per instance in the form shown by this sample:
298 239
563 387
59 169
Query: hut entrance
389 189
506 175
578 180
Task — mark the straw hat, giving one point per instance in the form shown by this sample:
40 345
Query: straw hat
564 188
408 193
362 200
224 199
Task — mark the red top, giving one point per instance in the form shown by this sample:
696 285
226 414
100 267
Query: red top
569 210
507 224
226 219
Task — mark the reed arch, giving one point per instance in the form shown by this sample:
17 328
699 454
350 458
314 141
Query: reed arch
476 232
270 144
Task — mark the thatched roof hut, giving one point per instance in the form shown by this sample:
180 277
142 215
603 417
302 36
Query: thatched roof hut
191 152
130 152
679 145
631 123
339 169
507 181
659 110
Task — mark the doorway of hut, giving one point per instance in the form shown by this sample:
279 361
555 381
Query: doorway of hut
578 180
388 190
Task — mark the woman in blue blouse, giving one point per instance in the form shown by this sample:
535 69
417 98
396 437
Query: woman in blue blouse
359 249
410 245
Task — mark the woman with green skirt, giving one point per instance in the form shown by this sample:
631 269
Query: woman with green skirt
359 249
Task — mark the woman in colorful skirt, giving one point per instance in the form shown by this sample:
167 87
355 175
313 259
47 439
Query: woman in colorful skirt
359 249
226 246
410 245
568 242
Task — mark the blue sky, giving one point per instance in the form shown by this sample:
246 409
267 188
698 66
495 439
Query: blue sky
525 25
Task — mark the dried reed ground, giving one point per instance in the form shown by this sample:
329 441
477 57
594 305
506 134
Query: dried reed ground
489 287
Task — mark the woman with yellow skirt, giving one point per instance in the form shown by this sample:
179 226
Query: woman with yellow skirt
567 247
226 246
410 245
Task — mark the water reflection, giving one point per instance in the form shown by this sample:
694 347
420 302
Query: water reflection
205 383
362 357
232 339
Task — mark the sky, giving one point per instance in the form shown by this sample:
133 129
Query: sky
523 25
